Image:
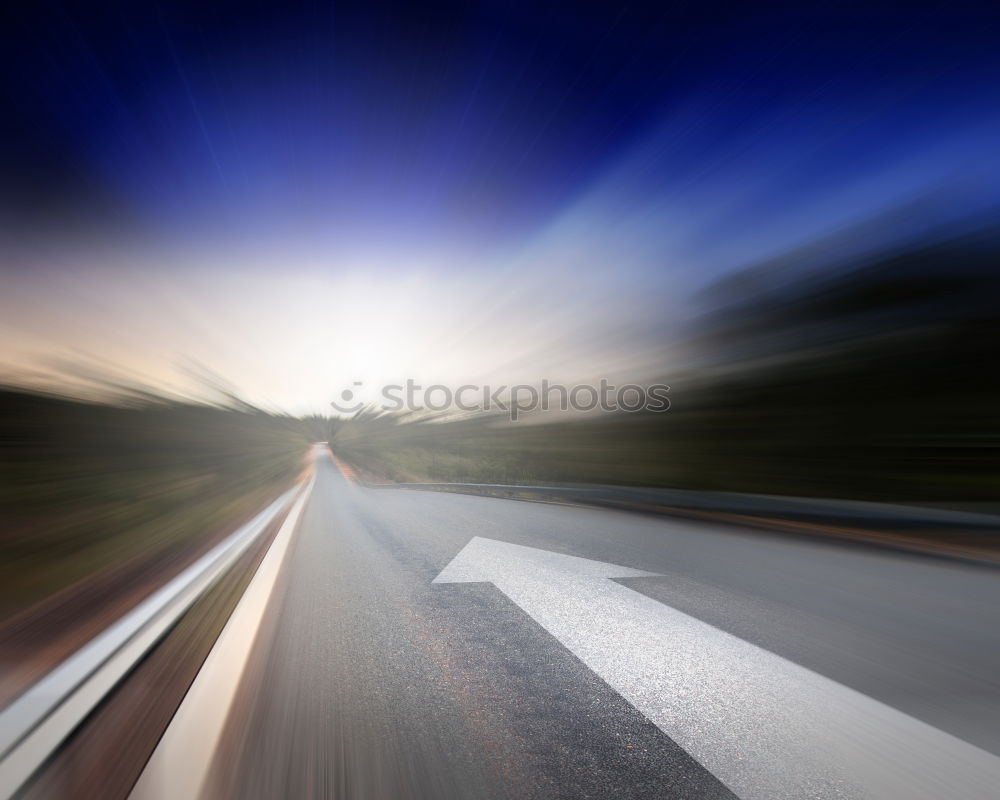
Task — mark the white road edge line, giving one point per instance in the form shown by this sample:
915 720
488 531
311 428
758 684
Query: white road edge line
180 764
34 725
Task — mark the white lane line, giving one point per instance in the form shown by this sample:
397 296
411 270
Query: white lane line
179 766
766 727
37 722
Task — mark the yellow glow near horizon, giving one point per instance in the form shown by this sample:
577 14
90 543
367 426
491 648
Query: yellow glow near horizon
293 337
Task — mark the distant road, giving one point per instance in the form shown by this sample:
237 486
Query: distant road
739 654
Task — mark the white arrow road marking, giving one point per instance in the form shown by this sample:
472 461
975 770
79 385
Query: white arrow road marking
767 728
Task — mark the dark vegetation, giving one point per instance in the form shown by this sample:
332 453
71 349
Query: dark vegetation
87 486
876 379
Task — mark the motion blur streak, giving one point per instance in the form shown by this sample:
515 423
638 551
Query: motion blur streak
218 220
101 503
301 197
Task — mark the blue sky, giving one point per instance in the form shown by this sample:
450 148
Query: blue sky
497 144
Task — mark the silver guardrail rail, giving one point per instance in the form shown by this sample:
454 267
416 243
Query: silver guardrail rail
730 502
34 725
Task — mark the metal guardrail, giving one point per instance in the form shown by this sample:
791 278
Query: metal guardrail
731 502
34 725
181 764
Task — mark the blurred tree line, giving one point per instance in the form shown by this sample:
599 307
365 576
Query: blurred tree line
871 378
85 486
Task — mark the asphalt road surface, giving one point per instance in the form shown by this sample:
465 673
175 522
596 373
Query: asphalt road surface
748 655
